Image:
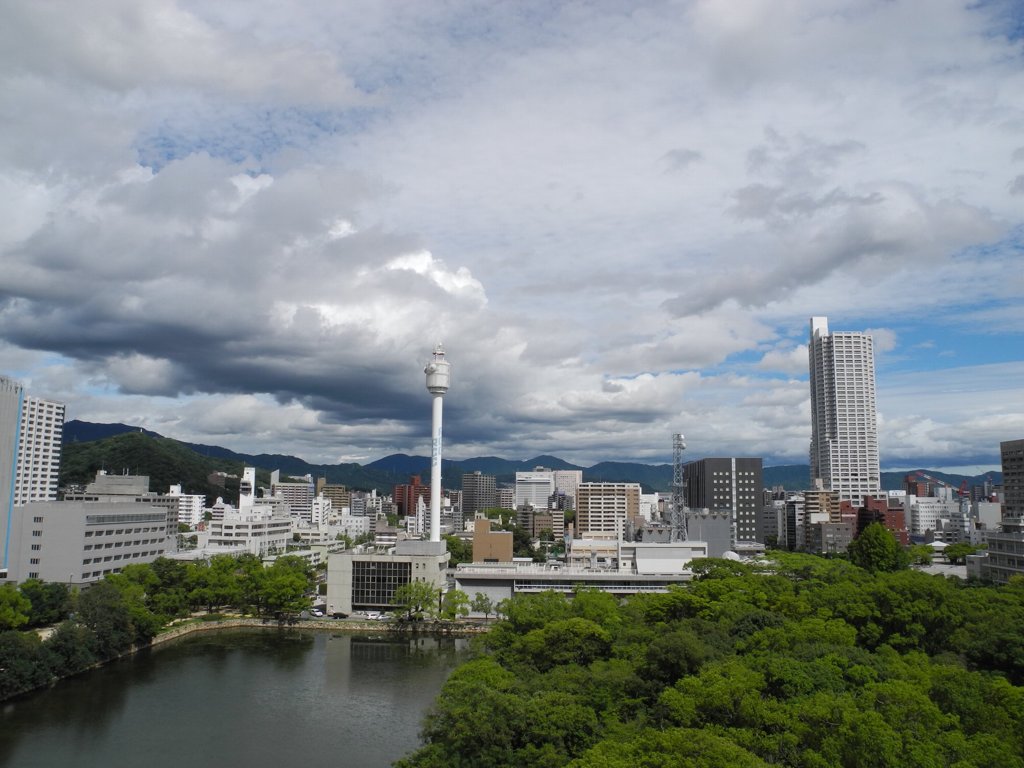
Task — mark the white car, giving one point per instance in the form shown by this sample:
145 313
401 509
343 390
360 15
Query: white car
316 612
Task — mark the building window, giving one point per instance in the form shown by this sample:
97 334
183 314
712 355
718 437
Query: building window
37 533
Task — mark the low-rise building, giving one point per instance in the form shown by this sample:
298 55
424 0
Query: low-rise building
634 568
368 581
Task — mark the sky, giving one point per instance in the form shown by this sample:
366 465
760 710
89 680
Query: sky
248 223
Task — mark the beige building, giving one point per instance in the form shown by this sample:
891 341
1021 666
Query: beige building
491 546
606 507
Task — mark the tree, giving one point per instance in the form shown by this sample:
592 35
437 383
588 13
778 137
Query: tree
102 609
957 553
876 549
15 608
284 593
73 648
459 551
417 599
50 601
455 605
22 663
921 554
482 604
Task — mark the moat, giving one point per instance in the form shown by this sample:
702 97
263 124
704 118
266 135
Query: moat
237 697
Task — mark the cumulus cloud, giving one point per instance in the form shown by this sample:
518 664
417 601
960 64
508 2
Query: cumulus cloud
248 223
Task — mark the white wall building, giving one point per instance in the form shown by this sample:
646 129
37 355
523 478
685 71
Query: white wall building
534 488
567 481
191 506
80 542
923 513
844 430
30 442
649 506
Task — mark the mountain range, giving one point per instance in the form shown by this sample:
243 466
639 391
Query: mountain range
90 446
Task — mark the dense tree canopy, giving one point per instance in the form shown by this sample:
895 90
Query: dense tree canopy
130 607
804 662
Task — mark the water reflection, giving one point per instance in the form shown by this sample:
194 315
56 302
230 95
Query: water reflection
262 698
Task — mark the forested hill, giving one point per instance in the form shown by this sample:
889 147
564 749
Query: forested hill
382 474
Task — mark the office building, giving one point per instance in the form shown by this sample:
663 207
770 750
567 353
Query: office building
80 542
534 488
1012 454
844 432
732 484
479 492
505 498
368 581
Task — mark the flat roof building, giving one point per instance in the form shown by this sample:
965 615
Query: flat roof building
368 581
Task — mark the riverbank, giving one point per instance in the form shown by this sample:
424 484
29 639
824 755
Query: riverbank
447 629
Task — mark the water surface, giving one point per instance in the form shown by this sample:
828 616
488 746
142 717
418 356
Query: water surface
253 698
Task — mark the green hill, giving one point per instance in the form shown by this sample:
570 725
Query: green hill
167 462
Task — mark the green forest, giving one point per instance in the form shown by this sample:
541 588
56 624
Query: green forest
804 662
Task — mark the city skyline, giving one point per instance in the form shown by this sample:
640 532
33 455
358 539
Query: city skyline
247 224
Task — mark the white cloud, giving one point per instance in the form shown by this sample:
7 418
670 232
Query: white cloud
224 215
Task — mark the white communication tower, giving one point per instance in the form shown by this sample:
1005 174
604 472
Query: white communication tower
438 378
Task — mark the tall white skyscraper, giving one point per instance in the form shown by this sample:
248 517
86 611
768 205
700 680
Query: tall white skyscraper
30 440
844 431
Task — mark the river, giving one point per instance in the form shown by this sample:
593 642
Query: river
252 698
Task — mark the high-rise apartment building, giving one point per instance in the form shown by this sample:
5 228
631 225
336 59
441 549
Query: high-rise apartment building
844 432
406 495
30 441
1012 455
607 507
297 495
567 481
733 484
479 492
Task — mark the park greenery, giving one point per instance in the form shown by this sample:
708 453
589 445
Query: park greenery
802 661
129 608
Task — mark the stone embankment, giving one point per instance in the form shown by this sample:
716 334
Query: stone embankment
334 625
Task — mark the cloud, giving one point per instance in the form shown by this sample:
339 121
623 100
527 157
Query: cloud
248 223
791 361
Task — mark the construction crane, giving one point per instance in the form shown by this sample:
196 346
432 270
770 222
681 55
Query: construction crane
962 491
